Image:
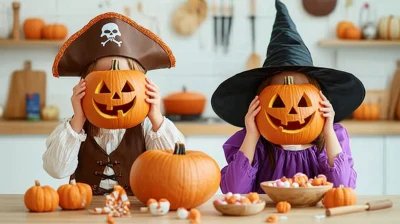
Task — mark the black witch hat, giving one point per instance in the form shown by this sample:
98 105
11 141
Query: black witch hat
286 52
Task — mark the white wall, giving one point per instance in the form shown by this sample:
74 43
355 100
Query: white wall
201 70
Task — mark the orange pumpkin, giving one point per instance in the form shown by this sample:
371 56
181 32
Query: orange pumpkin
367 111
186 179
55 32
41 198
353 33
341 28
115 98
290 113
341 196
74 196
300 179
283 207
253 196
33 28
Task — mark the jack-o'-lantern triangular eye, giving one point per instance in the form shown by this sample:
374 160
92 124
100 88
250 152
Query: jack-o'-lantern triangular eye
104 88
127 88
304 101
278 103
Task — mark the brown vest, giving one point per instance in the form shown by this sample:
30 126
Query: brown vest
92 160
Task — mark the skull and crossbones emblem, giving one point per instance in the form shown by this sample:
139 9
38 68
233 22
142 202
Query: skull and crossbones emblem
111 31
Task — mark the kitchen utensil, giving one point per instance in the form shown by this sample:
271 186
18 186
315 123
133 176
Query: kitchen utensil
223 17
1 111
297 197
394 106
16 33
184 103
4 29
228 32
369 206
189 16
254 60
23 82
319 7
367 24
215 17
240 210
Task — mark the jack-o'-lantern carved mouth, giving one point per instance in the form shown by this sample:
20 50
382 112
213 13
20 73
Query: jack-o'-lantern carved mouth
116 111
291 125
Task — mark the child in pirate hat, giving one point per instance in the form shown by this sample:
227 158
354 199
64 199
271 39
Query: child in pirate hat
97 156
253 159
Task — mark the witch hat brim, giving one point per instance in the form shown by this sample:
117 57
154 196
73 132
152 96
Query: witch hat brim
286 52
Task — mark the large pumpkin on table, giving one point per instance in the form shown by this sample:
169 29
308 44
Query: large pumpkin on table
186 179
115 99
290 113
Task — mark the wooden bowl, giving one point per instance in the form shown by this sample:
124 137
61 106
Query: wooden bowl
240 210
297 197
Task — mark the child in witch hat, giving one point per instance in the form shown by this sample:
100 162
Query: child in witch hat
97 156
251 158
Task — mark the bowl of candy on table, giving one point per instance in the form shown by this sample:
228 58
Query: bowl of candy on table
299 191
239 205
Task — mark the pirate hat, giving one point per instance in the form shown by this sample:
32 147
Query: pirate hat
111 34
286 52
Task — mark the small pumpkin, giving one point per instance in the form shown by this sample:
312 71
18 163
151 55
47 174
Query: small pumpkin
41 198
55 32
340 196
115 99
194 216
283 207
186 178
253 196
75 196
33 28
300 179
367 111
341 28
389 28
290 113
353 33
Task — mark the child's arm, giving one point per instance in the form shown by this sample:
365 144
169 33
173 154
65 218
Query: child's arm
164 138
239 176
341 172
61 156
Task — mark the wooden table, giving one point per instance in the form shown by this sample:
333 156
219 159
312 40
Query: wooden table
13 210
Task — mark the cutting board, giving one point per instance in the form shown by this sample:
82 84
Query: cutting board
394 95
23 82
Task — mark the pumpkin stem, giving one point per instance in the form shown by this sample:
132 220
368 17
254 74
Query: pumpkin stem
179 149
288 80
37 183
73 182
114 64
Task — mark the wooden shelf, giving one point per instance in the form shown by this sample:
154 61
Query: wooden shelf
359 43
198 128
33 43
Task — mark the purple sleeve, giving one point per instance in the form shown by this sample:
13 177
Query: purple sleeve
239 175
342 172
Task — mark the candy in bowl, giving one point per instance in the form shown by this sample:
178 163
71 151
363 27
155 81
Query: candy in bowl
239 205
299 191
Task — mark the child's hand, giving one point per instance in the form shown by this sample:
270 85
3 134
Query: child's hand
79 116
254 108
154 115
328 113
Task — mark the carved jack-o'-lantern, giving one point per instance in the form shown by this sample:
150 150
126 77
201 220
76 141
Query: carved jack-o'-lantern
115 98
290 113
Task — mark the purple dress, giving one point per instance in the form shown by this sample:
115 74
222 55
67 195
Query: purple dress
239 176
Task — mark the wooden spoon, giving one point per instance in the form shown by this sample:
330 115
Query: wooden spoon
254 60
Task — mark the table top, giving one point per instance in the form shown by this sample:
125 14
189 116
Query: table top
13 210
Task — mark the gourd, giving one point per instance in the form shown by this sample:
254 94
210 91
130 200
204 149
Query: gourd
283 207
41 198
341 196
367 111
55 32
290 113
389 28
33 28
75 196
185 178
